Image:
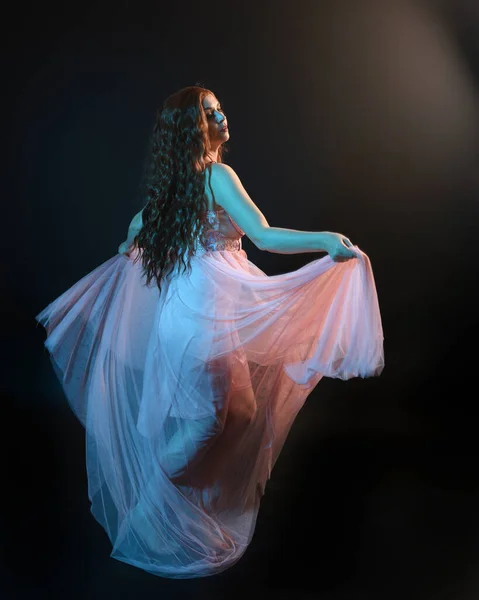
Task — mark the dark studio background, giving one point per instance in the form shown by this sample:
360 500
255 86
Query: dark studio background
358 117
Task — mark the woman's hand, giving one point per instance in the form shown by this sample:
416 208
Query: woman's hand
125 248
134 228
338 247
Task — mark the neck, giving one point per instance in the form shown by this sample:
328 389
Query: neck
211 156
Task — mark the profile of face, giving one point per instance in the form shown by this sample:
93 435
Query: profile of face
217 122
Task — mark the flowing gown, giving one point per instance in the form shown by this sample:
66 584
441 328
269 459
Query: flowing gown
187 396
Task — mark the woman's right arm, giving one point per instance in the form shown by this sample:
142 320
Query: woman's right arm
292 241
232 196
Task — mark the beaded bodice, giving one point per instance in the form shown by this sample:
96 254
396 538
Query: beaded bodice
219 232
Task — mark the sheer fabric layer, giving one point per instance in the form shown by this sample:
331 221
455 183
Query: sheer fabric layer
187 398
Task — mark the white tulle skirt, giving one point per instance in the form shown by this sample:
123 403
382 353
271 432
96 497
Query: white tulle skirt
187 397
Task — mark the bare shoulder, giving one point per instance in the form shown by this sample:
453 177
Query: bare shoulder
223 173
225 180
222 168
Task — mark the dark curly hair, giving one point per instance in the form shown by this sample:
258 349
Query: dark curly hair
175 184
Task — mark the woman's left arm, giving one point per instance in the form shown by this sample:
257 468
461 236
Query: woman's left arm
135 226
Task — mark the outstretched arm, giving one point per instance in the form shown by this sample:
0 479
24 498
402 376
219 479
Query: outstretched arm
135 225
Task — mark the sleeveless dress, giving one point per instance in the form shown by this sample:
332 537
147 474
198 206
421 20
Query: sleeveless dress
156 380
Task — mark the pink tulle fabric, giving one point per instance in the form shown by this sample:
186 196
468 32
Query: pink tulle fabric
187 396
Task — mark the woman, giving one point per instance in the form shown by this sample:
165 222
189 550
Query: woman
187 364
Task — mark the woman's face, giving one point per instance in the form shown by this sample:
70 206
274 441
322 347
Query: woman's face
217 123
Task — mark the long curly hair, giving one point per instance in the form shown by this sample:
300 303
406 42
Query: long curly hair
174 187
